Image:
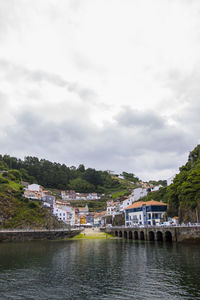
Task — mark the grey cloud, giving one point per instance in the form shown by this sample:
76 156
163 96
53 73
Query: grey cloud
186 88
134 118
84 93
78 140
15 72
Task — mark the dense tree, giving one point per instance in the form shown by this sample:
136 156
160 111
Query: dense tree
81 168
81 185
183 195
130 177
92 176
55 175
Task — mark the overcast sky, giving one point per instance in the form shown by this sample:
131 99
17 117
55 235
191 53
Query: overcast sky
112 84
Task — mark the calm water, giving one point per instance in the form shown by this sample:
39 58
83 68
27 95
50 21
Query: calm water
99 269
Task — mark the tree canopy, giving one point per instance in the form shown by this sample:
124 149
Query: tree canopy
56 175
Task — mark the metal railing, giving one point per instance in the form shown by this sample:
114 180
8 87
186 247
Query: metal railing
151 226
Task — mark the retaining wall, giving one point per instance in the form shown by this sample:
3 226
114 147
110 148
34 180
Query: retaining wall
11 236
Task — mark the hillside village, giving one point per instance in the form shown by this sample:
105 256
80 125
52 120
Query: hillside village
64 210
86 197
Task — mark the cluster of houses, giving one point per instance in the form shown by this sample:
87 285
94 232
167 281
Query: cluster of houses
72 195
134 211
62 209
137 212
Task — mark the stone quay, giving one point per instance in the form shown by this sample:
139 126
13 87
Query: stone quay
156 233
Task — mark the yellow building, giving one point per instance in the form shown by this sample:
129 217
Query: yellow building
83 219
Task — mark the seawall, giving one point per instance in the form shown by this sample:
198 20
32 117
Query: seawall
42 234
167 234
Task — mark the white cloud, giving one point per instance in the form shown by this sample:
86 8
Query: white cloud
109 83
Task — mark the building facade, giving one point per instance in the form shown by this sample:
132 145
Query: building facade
33 191
113 208
145 213
124 204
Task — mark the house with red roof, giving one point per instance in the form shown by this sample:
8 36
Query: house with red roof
145 213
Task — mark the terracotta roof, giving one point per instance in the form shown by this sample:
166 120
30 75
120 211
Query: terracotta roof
148 203
97 215
82 208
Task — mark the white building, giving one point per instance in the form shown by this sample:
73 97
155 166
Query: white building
80 196
72 195
46 204
49 199
33 191
124 204
139 193
34 187
68 195
98 218
113 208
92 196
145 213
64 213
60 214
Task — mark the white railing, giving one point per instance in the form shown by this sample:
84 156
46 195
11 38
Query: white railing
152 226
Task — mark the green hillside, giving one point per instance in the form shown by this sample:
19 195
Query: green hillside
18 212
183 196
59 176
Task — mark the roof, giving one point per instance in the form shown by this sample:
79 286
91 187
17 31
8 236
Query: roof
100 214
147 203
82 208
113 203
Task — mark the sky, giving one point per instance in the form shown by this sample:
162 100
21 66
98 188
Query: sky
111 84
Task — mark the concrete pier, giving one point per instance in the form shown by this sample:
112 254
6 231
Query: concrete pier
155 233
40 234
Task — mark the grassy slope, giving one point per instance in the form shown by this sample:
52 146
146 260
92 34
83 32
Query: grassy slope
18 212
95 236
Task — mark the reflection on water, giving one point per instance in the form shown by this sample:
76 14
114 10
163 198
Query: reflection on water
99 269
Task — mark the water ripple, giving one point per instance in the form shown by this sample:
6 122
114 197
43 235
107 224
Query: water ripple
97 269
